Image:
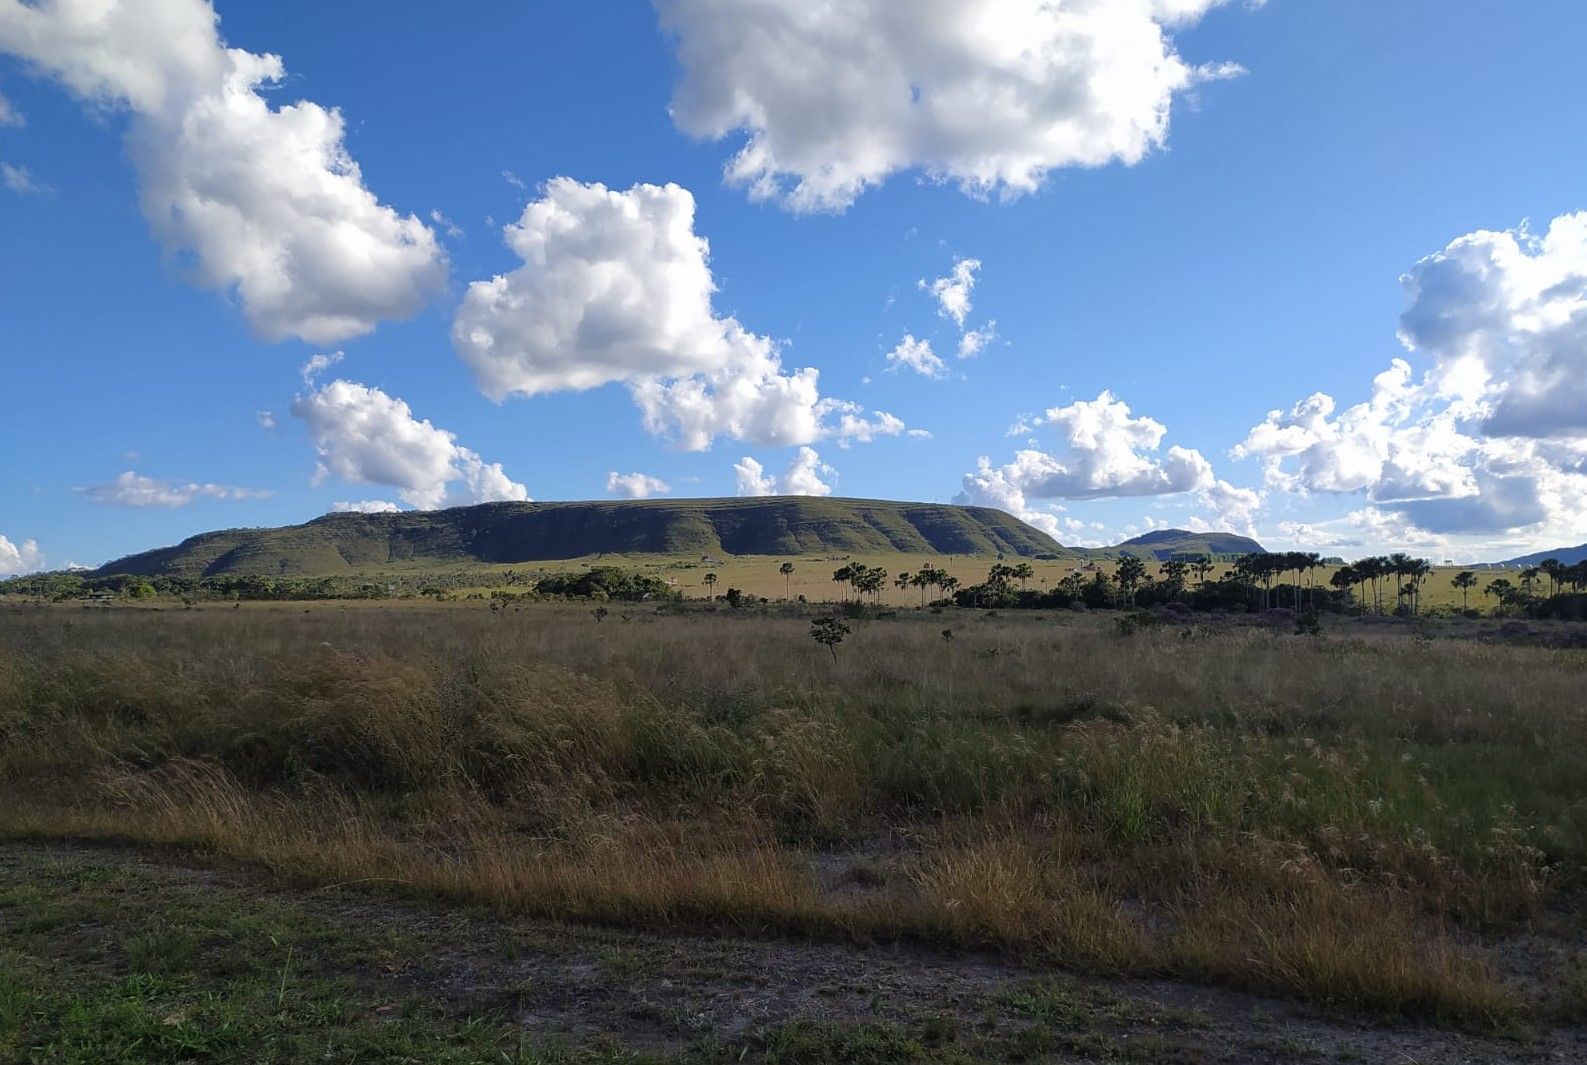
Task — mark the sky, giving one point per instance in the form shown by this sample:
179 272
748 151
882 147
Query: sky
1309 270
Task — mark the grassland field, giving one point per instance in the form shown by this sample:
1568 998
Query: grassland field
758 576
1388 822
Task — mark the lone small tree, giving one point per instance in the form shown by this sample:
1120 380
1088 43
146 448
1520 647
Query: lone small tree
710 584
786 569
829 632
1465 580
1501 590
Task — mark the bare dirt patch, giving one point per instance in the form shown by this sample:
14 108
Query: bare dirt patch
677 997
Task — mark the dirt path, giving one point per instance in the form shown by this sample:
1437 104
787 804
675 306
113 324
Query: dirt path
89 912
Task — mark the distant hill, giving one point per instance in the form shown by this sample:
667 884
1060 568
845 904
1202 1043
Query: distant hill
542 532
1166 544
1567 555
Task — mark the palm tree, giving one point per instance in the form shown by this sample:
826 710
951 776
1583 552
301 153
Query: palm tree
1344 579
1130 572
1022 573
1174 573
1501 590
786 569
1465 580
1555 569
1374 570
710 584
1400 564
1256 567
844 575
1528 577
1417 571
1311 562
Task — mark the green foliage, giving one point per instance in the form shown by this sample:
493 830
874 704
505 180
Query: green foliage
829 632
606 582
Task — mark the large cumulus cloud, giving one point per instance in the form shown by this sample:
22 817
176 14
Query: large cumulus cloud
834 97
364 436
1489 440
615 287
262 202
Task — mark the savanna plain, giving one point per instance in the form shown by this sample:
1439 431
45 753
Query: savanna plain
677 832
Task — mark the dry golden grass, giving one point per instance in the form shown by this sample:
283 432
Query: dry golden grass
759 576
1341 819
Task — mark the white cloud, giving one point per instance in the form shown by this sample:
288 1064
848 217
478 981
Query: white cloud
1004 488
318 364
1106 453
16 559
10 117
833 98
266 199
446 225
804 477
1490 444
916 355
974 341
1504 316
20 180
1308 448
953 292
366 506
1226 508
616 287
636 485
365 436
266 419
135 490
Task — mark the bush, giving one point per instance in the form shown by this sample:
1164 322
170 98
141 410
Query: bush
606 582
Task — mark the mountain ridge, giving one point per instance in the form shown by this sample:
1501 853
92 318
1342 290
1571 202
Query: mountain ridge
1165 544
1567 555
492 533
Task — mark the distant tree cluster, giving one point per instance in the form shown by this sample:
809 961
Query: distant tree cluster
1566 586
1264 581
1403 574
64 587
607 582
863 580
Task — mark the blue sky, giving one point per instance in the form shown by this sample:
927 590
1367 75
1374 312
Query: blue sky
1170 249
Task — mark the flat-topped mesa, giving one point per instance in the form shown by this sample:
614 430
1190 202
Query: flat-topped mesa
495 533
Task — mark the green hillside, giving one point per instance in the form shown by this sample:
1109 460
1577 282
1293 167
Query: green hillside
541 532
1168 544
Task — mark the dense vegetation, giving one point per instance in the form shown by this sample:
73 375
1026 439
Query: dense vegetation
605 582
1257 582
1362 819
